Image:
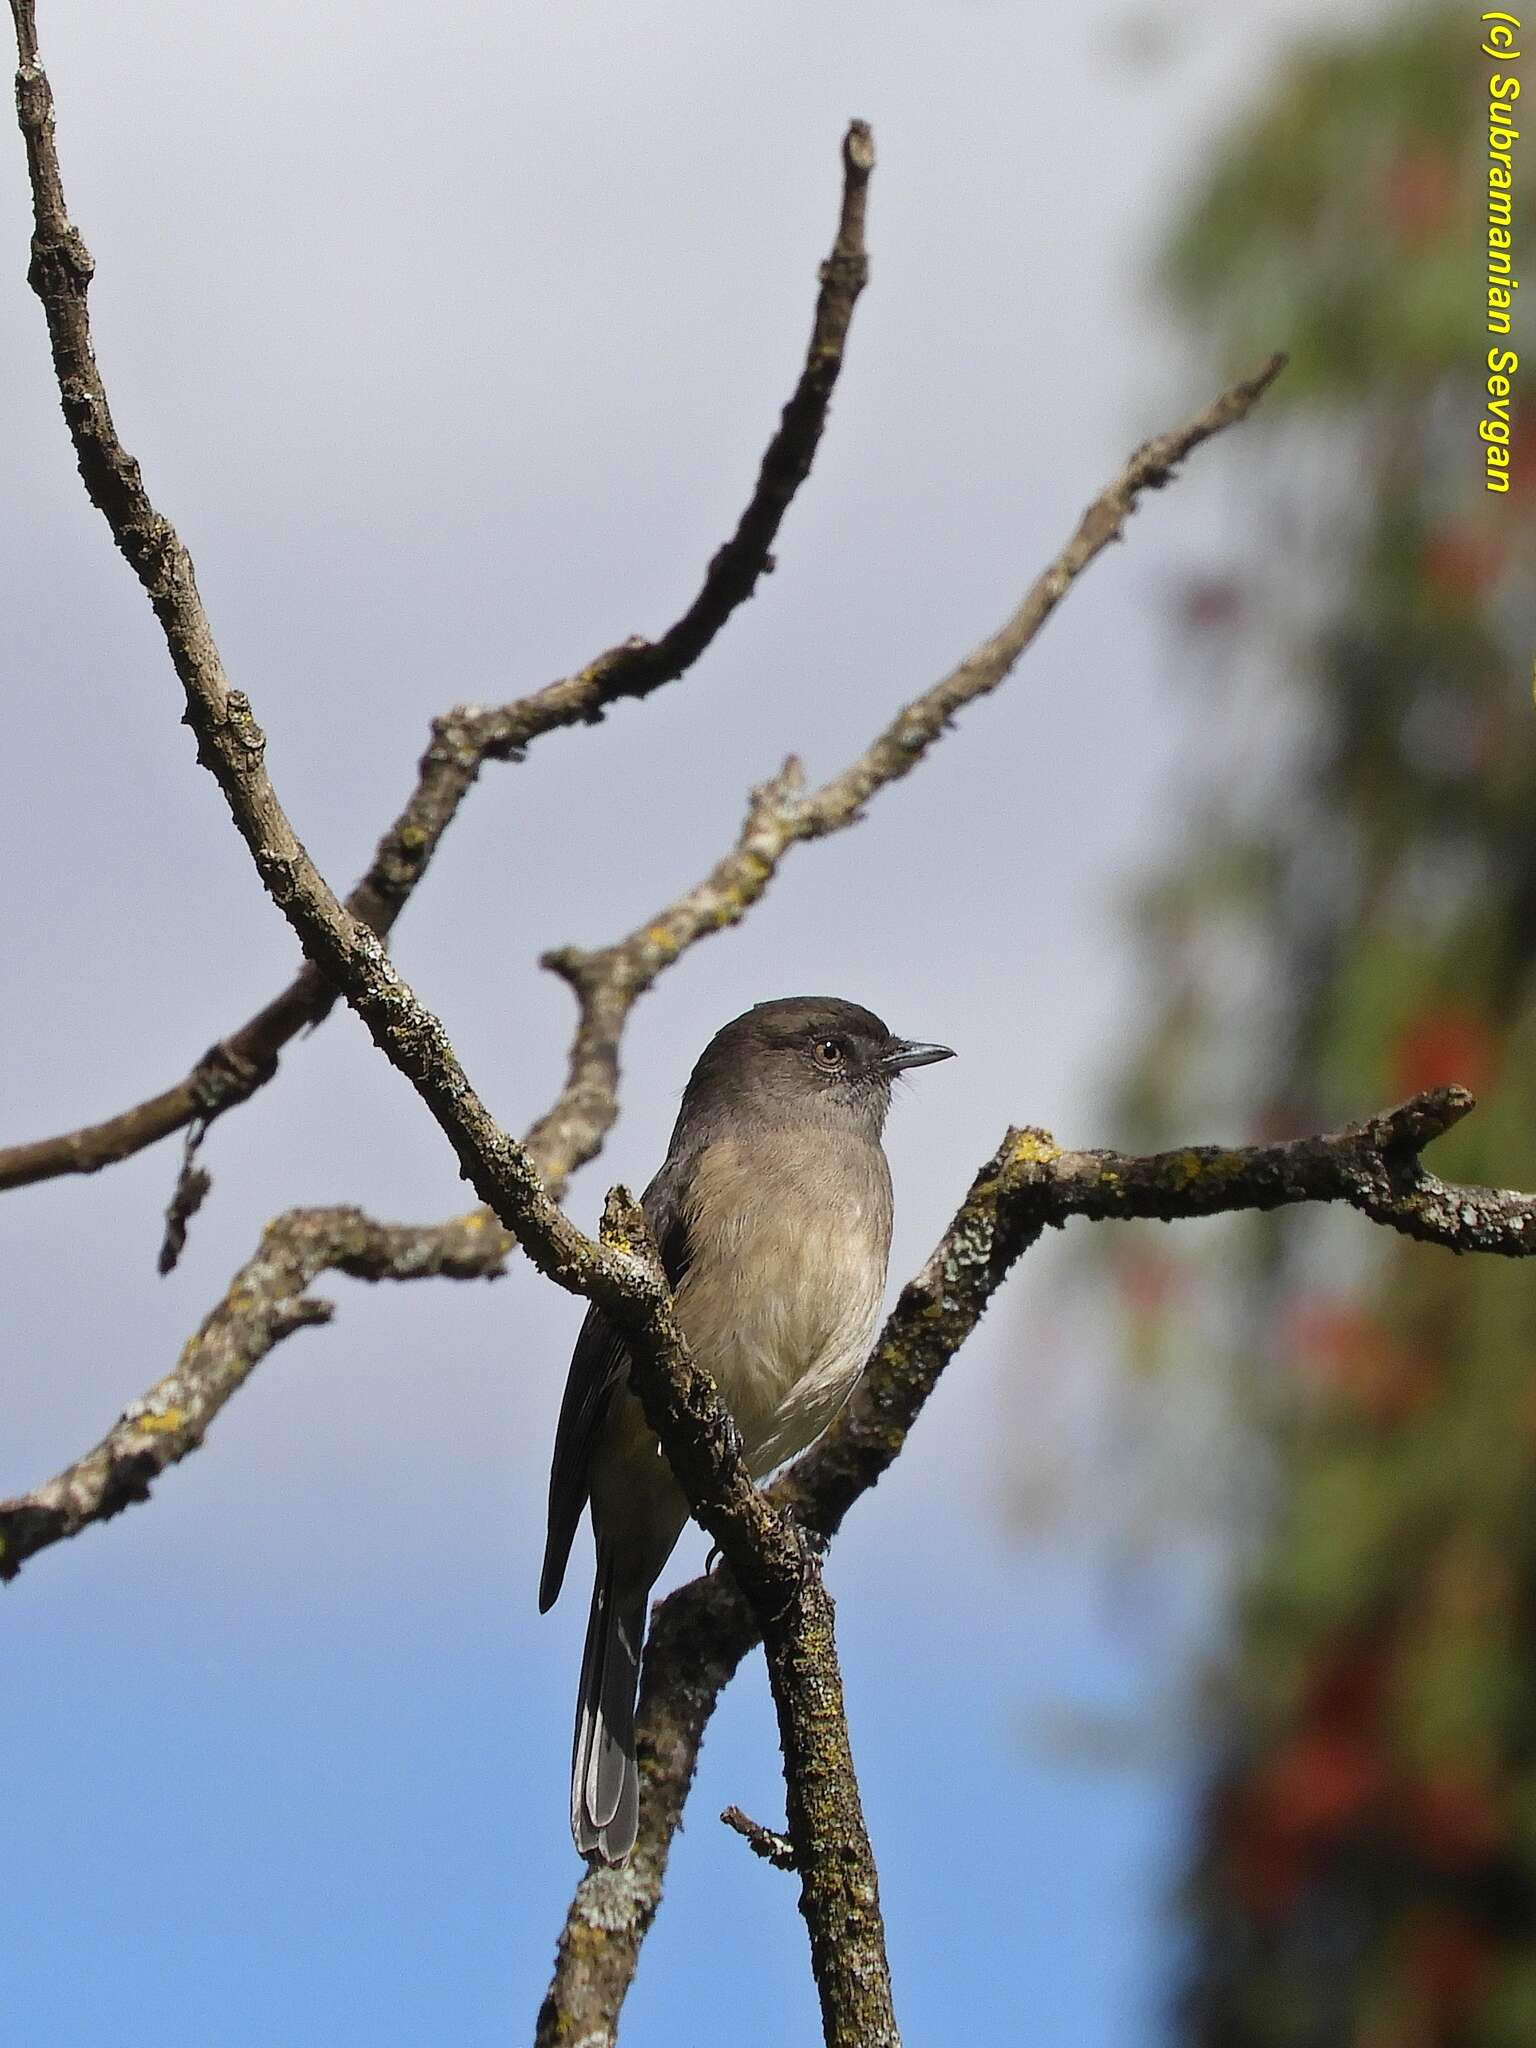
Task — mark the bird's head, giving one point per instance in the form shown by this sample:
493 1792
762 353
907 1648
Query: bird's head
806 1056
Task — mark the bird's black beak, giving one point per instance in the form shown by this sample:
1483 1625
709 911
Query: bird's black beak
906 1052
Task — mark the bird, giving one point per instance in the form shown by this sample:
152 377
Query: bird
772 1214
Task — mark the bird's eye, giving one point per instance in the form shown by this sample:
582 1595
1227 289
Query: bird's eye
829 1052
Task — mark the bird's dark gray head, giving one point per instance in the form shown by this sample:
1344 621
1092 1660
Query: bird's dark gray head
803 1057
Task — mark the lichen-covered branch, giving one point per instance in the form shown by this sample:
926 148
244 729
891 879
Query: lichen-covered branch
700 1633
265 1302
839 1885
1031 1184
463 739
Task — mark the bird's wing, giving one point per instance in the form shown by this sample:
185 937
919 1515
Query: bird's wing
599 1366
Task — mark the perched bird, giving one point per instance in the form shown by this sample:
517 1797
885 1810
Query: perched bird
772 1212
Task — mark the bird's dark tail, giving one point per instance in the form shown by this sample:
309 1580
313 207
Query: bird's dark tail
605 1780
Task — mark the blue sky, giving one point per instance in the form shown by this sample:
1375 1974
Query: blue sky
252 1820
453 361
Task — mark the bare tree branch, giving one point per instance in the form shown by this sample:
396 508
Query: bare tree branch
232 1070
187 1197
767 1843
700 1633
265 1302
839 1884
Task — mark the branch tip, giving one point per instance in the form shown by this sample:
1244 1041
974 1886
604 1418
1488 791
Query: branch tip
1427 1116
1258 384
768 1843
859 149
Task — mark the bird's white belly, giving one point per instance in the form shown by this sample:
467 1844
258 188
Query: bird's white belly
784 1375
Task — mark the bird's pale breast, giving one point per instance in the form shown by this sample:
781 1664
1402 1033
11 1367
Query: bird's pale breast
781 1303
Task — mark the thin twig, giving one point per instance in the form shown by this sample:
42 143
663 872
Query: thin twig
773 1847
191 1191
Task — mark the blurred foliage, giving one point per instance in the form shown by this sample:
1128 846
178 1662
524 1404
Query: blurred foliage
1352 917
